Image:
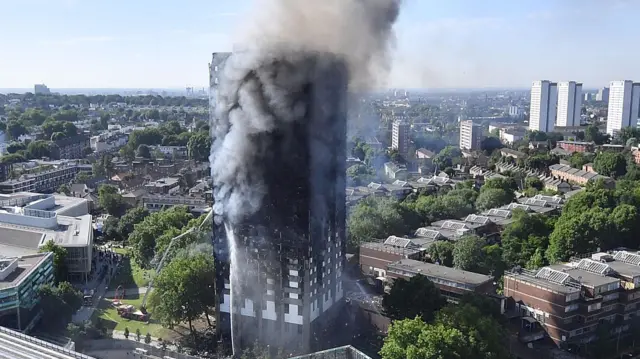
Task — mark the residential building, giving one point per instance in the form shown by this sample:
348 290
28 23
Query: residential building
171 151
470 136
41 89
507 152
603 94
167 185
4 171
544 98
29 220
571 301
290 289
195 205
576 146
515 111
511 136
72 147
400 136
24 346
575 175
424 154
453 283
20 279
624 104
569 104
45 181
395 171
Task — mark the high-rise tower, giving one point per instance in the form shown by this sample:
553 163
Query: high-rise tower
569 104
289 254
544 98
624 105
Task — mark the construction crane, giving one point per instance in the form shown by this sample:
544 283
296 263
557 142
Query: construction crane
143 306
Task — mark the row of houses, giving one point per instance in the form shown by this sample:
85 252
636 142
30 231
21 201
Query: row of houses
379 258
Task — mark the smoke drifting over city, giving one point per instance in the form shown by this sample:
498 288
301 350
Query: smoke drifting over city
263 84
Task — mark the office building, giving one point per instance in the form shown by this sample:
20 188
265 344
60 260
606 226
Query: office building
515 112
41 89
470 135
571 301
603 95
400 136
20 280
544 98
624 104
289 291
569 104
29 220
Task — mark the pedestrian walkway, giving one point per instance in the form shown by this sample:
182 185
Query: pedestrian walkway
118 334
127 291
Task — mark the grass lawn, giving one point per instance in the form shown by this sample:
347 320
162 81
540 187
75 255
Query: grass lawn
130 275
108 317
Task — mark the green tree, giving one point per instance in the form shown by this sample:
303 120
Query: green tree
448 157
147 338
111 201
16 129
468 254
51 126
13 158
129 220
70 130
199 147
360 175
33 117
184 290
58 304
523 236
59 259
39 149
143 238
143 151
126 332
579 159
493 198
609 163
127 153
56 136
417 296
376 218
442 253
64 189
582 233
138 334
534 183
592 134
14 147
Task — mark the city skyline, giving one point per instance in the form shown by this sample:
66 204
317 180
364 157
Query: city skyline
168 45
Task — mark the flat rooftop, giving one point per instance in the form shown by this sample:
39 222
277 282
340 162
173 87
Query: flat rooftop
26 265
23 346
71 232
438 271
585 278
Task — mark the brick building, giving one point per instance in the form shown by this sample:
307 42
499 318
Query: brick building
576 146
570 301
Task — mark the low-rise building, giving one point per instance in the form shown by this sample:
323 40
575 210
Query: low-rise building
576 146
571 301
453 283
395 171
44 182
72 147
20 279
575 175
28 221
155 203
507 152
167 185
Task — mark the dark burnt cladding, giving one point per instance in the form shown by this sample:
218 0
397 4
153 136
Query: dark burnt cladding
292 248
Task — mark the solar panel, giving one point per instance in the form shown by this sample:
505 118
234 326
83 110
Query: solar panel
427 233
503 213
536 202
453 225
473 218
397 241
627 257
524 207
552 275
593 266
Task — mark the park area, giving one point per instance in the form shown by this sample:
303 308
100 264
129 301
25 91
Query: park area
128 287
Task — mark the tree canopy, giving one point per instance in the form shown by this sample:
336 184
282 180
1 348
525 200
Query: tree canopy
59 259
417 296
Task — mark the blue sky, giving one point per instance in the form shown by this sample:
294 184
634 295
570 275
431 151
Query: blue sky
440 44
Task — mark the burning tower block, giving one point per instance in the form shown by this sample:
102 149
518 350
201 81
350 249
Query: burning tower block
290 252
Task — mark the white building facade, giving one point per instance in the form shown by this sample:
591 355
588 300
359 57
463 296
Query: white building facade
569 104
400 136
624 105
544 99
470 135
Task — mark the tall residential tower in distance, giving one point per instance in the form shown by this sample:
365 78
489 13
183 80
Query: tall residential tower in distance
569 103
624 105
544 98
470 136
603 95
400 136
288 255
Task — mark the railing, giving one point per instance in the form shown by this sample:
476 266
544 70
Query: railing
346 352
43 344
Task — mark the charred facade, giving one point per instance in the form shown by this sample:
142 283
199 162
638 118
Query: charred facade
291 251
